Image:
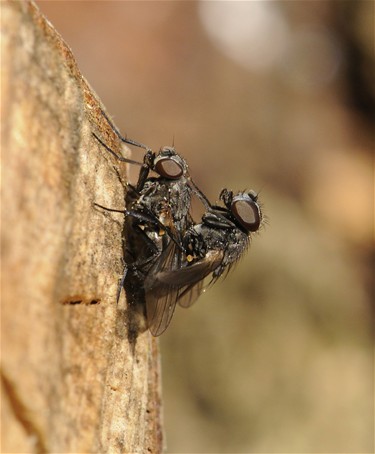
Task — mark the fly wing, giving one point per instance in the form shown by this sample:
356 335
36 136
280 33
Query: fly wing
191 294
160 299
195 274
160 309
172 280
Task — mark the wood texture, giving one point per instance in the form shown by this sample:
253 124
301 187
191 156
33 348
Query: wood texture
72 381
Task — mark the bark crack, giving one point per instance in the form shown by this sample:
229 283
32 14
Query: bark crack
23 414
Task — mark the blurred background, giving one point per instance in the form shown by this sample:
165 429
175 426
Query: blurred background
277 97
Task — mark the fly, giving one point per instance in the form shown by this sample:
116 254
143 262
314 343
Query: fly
158 213
211 247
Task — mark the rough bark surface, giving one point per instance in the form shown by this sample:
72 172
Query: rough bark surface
71 379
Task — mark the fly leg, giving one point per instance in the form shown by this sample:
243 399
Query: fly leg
122 138
146 166
120 158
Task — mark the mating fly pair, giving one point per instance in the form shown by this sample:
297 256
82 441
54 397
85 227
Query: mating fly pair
168 255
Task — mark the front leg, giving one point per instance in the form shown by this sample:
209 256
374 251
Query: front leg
148 164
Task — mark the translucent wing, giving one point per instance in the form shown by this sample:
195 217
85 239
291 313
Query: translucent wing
160 303
173 280
191 294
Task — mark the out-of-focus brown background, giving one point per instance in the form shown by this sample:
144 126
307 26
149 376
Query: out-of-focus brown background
278 97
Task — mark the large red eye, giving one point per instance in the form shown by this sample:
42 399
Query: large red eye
247 212
169 168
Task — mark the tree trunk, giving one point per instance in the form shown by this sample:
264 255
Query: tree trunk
73 380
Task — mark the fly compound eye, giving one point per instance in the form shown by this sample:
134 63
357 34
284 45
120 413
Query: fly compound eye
168 168
247 212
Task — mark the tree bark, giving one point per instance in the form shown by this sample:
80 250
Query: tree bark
72 378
